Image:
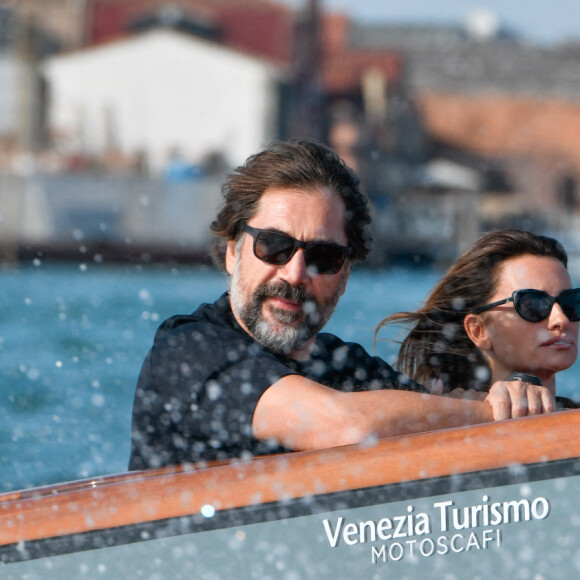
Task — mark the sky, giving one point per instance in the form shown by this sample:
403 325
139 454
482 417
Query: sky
541 21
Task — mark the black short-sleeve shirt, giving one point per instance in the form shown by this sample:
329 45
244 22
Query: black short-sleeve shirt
202 379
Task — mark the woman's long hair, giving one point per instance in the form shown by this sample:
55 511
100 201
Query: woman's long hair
437 346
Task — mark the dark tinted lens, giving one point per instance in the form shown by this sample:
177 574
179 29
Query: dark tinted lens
533 305
274 248
324 258
570 303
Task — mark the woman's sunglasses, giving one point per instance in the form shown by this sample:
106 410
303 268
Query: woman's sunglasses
535 305
278 248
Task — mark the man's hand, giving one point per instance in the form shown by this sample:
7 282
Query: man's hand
509 399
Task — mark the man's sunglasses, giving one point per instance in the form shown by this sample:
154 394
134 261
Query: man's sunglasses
535 305
278 248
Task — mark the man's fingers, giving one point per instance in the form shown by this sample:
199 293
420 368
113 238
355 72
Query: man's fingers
539 399
535 402
548 401
501 409
518 399
500 402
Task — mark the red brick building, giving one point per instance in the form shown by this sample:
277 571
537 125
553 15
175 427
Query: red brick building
538 139
260 27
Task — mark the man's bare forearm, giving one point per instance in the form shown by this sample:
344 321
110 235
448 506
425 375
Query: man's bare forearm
393 412
302 414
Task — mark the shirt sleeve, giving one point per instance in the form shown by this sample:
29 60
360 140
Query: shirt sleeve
196 396
348 367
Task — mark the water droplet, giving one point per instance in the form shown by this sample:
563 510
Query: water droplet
207 511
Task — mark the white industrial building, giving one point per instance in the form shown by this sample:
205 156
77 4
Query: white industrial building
161 92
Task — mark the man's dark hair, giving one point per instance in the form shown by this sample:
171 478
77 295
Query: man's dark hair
303 165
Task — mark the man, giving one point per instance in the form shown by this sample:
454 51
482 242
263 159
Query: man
252 374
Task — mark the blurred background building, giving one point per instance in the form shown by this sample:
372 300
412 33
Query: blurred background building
119 119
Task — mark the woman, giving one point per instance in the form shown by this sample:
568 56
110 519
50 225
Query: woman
506 305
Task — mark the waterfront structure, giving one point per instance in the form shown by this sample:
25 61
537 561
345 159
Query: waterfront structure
502 104
161 93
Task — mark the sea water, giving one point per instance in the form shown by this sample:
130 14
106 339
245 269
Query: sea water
73 338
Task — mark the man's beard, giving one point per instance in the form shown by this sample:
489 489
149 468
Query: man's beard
288 331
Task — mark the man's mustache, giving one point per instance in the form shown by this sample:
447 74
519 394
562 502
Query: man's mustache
285 291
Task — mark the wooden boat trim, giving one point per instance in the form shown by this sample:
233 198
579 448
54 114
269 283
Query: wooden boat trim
133 498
